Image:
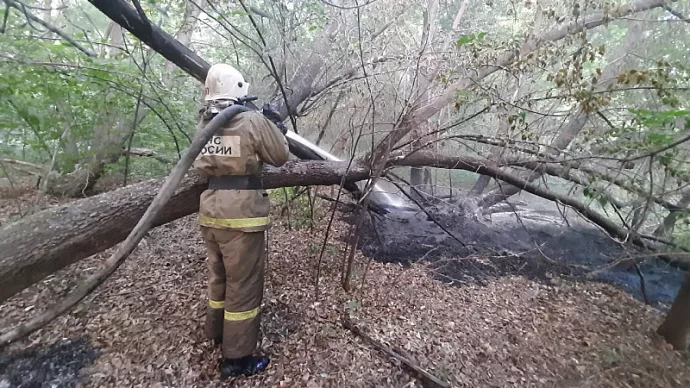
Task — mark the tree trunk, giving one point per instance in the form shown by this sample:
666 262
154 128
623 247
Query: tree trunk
666 227
677 323
419 175
420 180
48 241
498 152
107 135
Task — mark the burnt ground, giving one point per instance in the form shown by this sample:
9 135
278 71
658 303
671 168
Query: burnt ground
496 314
536 244
58 365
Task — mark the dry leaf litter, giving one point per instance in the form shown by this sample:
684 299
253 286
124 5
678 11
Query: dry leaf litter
144 326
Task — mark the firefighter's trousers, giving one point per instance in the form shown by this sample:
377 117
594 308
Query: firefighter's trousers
235 288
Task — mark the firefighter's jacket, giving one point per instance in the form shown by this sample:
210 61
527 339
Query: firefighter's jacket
240 148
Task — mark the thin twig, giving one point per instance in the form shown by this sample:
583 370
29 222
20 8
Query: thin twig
287 206
421 373
643 288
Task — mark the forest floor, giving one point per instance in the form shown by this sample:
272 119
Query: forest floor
144 326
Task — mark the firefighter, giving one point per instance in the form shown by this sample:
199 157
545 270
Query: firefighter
233 216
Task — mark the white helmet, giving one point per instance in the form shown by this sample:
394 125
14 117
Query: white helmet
224 82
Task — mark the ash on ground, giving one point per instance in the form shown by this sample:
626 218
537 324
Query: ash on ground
57 366
536 242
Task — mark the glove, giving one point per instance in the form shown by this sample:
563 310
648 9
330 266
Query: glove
272 115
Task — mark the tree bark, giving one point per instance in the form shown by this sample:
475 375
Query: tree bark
48 241
666 227
420 177
677 323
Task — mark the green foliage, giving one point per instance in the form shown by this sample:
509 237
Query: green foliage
468 39
53 97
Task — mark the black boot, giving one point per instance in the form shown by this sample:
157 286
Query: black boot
245 366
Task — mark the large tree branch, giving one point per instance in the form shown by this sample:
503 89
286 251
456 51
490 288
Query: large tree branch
48 241
481 167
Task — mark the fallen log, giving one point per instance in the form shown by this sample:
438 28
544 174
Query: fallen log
39 245
48 241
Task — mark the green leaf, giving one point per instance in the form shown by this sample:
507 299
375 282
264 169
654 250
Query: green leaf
467 39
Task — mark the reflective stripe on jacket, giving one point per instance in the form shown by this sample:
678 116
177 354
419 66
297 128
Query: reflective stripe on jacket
241 148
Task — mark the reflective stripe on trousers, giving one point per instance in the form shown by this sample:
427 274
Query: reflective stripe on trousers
216 304
242 315
234 222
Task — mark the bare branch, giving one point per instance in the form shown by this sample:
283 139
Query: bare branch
481 167
20 6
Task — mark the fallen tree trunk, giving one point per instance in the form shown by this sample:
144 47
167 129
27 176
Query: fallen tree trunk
48 241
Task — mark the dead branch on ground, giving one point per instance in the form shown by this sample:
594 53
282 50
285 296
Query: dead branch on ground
425 376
